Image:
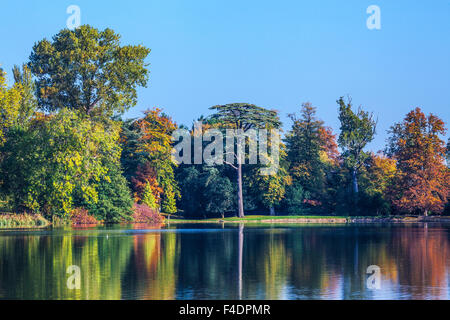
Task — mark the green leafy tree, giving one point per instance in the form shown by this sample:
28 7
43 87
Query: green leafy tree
188 177
312 157
168 200
9 105
114 202
9 113
86 69
295 199
56 159
243 117
305 144
148 198
357 130
205 190
376 176
270 189
131 157
217 192
28 101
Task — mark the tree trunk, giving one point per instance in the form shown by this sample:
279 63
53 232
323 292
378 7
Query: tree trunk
240 258
425 213
272 211
355 190
240 197
355 182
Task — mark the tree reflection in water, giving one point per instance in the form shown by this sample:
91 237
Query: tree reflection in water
227 262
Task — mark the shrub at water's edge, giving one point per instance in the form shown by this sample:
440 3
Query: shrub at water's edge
82 217
145 214
141 214
22 221
79 216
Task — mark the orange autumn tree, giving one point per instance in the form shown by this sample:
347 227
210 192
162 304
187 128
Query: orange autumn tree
421 183
329 145
147 160
145 185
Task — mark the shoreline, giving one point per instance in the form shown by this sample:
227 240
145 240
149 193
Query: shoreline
277 220
314 220
9 221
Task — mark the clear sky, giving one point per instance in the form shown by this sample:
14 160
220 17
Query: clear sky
275 54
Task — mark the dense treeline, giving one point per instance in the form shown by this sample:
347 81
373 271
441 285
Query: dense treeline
64 148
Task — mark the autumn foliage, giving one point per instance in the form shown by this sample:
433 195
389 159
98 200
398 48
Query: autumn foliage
145 176
63 147
82 217
422 181
147 160
144 214
329 145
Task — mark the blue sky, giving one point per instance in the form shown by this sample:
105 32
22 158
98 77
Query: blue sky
276 54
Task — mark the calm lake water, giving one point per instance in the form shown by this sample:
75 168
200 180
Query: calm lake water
227 262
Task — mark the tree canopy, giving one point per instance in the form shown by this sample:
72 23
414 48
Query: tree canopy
242 117
357 130
56 159
87 69
422 183
9 105
67 153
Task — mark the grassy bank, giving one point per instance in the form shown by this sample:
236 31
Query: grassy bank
260 219
312 219
13 221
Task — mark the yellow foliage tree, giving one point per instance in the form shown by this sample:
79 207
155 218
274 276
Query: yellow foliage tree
9 105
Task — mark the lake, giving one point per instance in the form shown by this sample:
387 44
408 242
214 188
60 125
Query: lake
213 261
